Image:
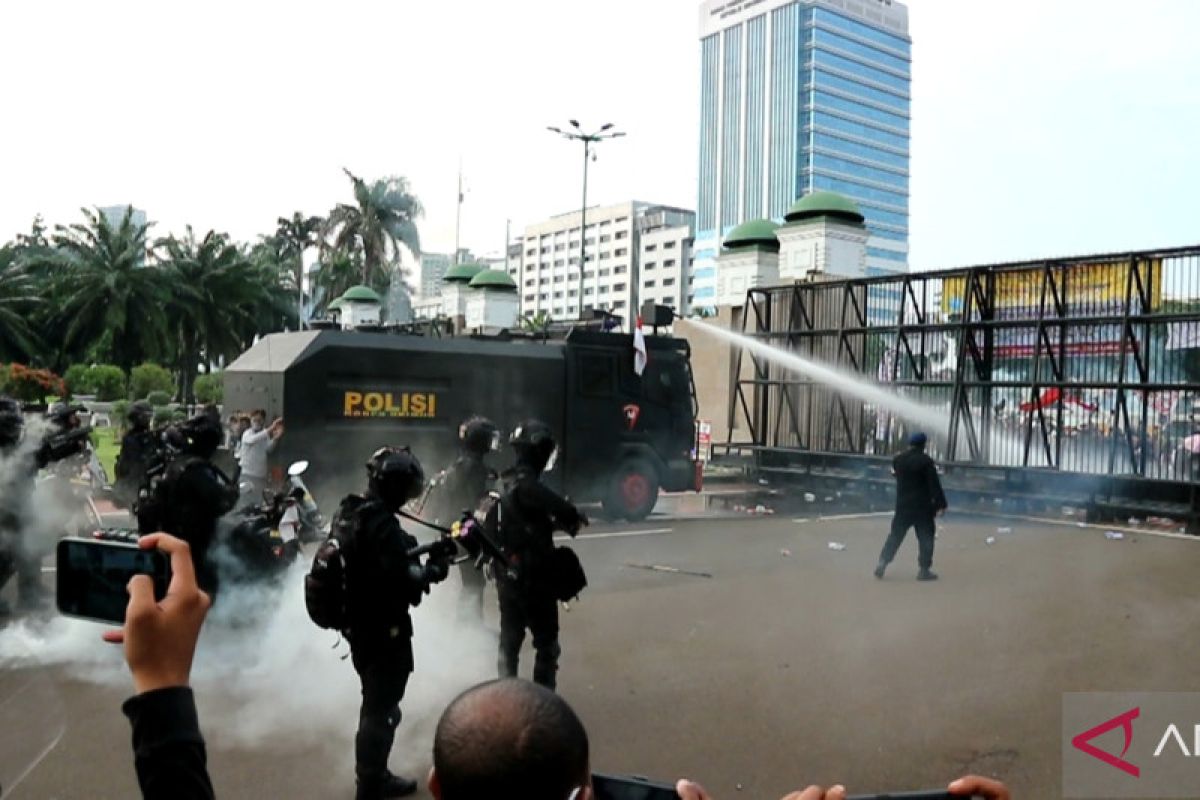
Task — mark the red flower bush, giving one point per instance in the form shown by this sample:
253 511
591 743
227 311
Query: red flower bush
32 385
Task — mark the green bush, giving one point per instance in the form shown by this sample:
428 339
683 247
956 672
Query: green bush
106 381
179 415
163 415
120 413
147 378
158 399
76 377
210 389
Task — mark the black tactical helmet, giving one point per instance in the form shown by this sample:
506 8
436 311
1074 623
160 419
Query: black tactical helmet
202 434
478 435
534 443
141 414
61 414
12 421
395 476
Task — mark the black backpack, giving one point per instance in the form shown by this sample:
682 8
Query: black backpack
325 593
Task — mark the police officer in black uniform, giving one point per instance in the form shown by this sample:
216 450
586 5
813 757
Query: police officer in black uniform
139 448
193 496
919 498
465 483
382 582
530 513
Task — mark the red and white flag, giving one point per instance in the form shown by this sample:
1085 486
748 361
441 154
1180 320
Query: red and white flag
640 357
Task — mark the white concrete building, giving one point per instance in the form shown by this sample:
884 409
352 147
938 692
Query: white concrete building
430 272
633 252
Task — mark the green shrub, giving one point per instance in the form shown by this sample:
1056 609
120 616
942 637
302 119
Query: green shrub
76 378
106 382
210 389
158 399
179 415
147 378
163 415
120 413
33 385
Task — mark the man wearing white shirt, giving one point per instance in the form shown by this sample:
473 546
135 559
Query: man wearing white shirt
257 443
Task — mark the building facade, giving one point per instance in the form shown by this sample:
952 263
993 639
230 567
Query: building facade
634 252
802 96
432 269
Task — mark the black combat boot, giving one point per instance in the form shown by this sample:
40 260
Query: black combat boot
879 568
927 575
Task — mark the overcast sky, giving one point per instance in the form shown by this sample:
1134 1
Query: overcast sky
1040 127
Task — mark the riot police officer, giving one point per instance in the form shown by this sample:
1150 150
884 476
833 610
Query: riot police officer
382 581
139 447
190 495
464 484
530 512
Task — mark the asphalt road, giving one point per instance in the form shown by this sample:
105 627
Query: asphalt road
791 664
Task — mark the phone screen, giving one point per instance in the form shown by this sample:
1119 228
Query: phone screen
93 576
611 787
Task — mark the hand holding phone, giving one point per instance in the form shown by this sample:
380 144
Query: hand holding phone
93 576
160 635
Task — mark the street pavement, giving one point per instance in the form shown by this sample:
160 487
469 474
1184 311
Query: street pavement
791 664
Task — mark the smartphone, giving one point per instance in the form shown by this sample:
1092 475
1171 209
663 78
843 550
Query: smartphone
93 575
628 787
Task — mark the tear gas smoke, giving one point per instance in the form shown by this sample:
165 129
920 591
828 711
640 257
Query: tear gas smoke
266 678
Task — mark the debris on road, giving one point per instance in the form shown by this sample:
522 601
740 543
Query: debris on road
837 546
785 552
664 568
1004 530
1081 524
990 540
1114 535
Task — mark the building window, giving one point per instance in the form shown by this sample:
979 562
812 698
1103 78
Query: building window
591 273
650 248
573 293
587 291
558 262
544 281
558 248
605 255
589 258
531 252
668 282
620 251
619 304
529 298
618 287
648 265
669 246
620 270
670 262
558 295
605 238
558 279
603 290
669 301
649 284
573 260
545 250
591 241
603 272
530 282
619 220
543 297
622 234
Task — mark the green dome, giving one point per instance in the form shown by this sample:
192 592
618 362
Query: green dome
756 232
361 294
494 279
825 204
463 273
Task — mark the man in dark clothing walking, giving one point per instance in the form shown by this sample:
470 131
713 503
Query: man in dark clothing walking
919 498
530 513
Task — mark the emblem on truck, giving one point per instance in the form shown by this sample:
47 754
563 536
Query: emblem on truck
632 412
405 405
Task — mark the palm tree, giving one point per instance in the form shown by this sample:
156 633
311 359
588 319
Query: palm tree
19 297
216 292
294 237
336 273
106 293
537 323
382 221
271 308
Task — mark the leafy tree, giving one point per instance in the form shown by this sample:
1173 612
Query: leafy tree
382 220
337 273
210 388
76 379
293 238
103 286
106 381
19 298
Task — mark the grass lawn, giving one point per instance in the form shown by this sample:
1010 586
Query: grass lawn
106 444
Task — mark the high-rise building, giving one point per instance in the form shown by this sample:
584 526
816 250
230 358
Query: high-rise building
634 253
799 96
115 215
432 269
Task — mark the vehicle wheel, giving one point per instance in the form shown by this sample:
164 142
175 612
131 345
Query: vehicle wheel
633 491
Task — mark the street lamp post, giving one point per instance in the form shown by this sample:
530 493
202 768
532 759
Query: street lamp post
588 139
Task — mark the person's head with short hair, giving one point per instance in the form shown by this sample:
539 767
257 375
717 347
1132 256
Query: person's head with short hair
258 418
510 738
917 440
